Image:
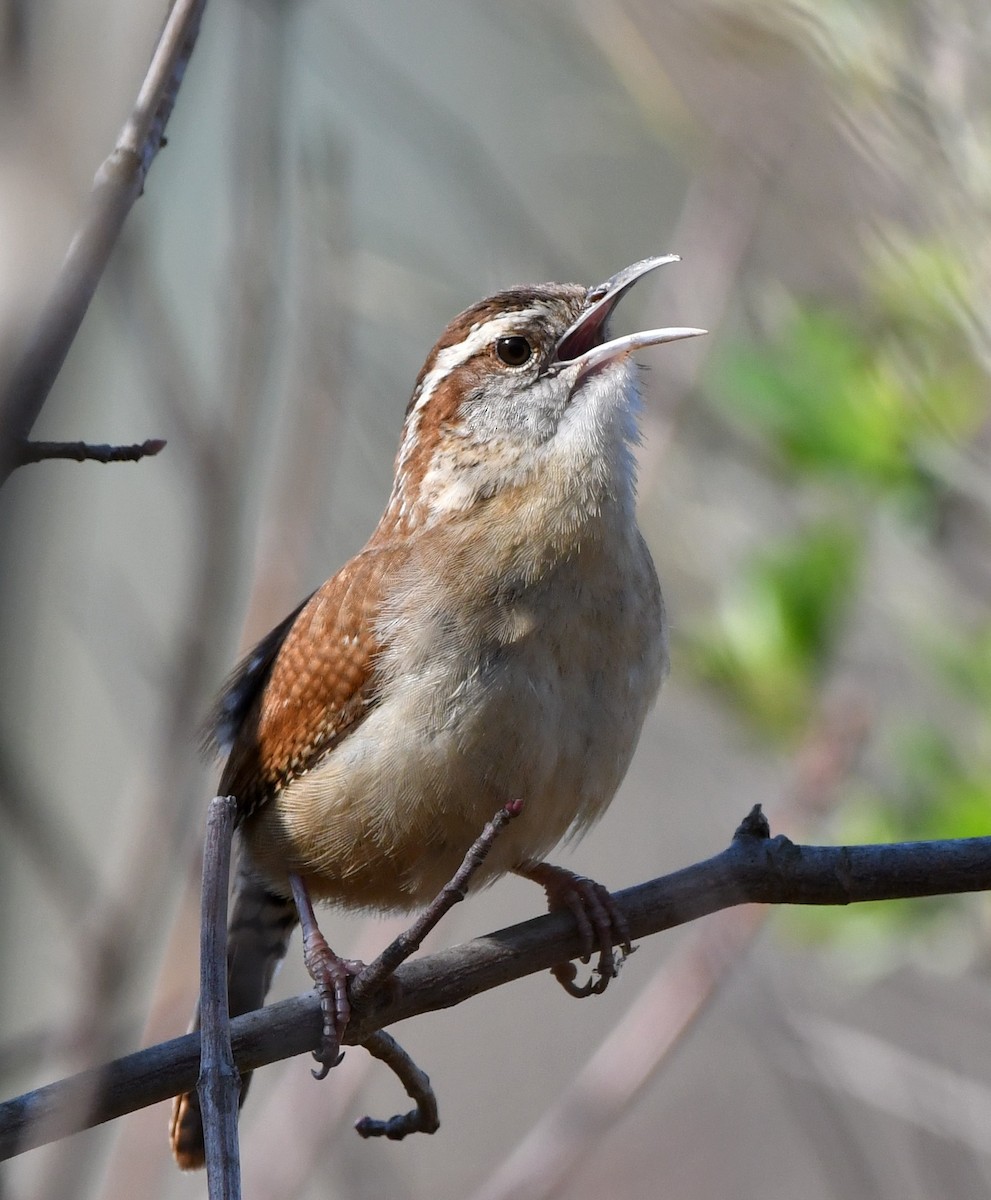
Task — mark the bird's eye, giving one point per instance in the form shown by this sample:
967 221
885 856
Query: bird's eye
513 351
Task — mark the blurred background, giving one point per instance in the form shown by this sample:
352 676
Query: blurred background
340 180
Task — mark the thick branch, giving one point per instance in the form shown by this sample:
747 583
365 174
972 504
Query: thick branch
118 184
754 869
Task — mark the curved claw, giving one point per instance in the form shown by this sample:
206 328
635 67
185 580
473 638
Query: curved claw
566 974
326 1064
600 924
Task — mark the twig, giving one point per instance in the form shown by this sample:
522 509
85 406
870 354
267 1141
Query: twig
219 1082
752 870
453 892
423 1118
118 184
201 646
34 452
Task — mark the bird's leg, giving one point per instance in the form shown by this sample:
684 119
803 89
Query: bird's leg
330 973
600 923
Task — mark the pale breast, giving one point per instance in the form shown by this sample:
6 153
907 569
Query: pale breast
521 690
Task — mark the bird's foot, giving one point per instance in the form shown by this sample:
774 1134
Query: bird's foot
601 925
331 974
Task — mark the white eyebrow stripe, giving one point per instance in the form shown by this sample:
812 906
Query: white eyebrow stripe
478 337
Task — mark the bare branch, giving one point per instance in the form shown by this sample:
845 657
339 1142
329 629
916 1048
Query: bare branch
453 892
219 1083
754 869
423 1118
118 184
34 452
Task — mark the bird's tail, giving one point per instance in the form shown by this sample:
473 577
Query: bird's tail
261 924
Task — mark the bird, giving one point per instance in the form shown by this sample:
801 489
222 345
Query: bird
500 638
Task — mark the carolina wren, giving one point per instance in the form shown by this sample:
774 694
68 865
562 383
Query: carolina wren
501 636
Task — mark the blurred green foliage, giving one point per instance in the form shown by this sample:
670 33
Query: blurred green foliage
862 407
819 398
776 628
862 398
937 789
936 792
941 785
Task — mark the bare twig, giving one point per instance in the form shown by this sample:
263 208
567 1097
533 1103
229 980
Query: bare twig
223 450
753 869
118 184
453 892
423 1118
34 452
219 1082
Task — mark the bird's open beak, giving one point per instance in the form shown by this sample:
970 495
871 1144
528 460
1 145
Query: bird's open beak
582 342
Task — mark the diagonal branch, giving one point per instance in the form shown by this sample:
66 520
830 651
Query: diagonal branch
453 892
754 869
118 184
